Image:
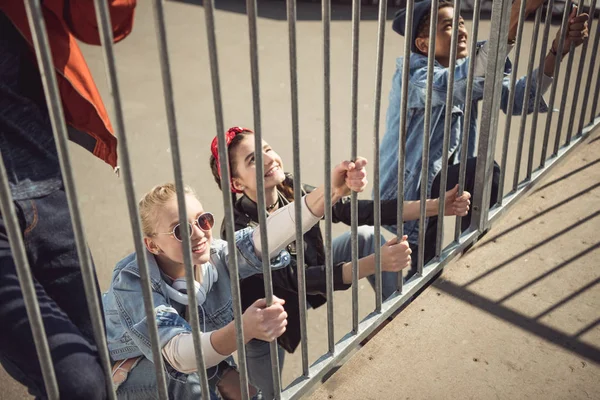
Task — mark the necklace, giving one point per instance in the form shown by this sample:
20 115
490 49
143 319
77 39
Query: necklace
272 206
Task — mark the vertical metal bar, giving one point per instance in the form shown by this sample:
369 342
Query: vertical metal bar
579 78
491 108
427 133
447 126
591 67
326 13
597 92
468 106
354 130
538 97
179 185
225 179
518 158
261 203
565 93
291 16
408 39
59 128
106 37
17 247
376 191
563 32
511 97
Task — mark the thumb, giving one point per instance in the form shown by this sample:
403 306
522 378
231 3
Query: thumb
278 300
452 193
573 13
392 241
260 303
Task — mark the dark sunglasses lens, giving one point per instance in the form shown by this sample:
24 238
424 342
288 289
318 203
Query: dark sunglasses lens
177 232
206 221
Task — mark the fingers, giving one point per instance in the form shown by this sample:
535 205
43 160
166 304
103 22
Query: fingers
360 162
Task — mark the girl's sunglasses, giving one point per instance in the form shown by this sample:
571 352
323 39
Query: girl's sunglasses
205 222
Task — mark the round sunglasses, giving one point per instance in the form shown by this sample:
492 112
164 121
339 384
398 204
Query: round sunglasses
204 221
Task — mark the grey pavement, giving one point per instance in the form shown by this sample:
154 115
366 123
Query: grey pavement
101 193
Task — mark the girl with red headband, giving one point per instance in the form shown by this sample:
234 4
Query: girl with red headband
395 255
126 326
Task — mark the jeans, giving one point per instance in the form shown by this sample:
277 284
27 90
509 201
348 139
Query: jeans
141 384
258 356
431 230
50 245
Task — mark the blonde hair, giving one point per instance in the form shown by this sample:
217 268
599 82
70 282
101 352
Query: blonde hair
152 201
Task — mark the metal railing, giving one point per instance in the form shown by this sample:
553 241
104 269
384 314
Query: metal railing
482 218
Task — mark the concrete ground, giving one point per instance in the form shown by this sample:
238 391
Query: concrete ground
101 193
517 317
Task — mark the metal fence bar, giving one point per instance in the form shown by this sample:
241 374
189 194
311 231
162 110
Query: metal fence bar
376 192
19 255
511 96
291 16
538 97
468 109
261 203
579 78
447 127
597 92
326 14
225 180
43 53
354 133
165 68
427 134
408 39
591 68
491 109
565 93
563 32
106 37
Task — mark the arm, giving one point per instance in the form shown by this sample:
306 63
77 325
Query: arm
395 256
259 322
80 16
281 224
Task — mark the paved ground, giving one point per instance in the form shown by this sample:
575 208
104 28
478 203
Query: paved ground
515 318
101 193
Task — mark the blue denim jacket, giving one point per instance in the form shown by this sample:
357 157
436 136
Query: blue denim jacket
126 326
416 121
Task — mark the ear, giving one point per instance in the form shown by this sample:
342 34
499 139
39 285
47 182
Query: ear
422 44
151 245
235 182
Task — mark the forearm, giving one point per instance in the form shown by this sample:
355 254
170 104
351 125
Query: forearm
366 267
412 209
315 200
549 62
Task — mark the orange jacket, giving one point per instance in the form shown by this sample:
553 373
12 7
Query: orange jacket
65 21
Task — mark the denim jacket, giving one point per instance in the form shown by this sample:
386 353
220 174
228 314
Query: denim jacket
416 121
126 325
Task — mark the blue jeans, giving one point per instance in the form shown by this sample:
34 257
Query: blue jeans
258 356
141 382
48 235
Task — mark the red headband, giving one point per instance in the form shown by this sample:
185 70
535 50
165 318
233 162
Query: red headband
214 148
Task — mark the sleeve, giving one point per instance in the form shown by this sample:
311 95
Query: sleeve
342 212
520 87
179 352
80 16
127 289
